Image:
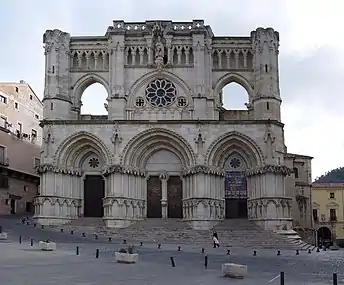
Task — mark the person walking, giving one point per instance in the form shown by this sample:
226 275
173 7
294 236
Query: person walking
216 240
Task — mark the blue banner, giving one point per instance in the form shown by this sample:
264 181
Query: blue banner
235 185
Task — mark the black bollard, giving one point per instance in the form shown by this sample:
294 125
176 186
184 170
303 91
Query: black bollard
27 223
83 235
309 250
335 279
297 252
34 225
178 248
282 278
97 253
23 221
95 236
172 262
202 250
159 245
42 226
278 252
72 232
77 250
254 253
206 262
110 239
318 249
141 243
20 239
61 230
31 242
228 251
124 241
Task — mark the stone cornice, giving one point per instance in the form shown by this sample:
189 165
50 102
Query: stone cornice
117 168
203 169
165 122
43 168
275 169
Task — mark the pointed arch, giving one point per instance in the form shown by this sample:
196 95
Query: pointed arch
142 146
234 142
145 79
237 78
73 149
85 81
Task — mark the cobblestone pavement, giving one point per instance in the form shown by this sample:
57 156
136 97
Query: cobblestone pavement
23 264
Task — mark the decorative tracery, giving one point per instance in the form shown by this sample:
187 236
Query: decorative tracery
161 93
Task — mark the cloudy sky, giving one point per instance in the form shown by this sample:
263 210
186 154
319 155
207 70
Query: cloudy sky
311 61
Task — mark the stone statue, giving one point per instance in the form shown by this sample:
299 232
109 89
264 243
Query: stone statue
269 139
159 49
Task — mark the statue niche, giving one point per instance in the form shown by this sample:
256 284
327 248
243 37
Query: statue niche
160 50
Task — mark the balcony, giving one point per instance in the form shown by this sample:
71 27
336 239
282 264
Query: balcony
4 161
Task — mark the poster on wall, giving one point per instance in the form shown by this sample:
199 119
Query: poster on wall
235 185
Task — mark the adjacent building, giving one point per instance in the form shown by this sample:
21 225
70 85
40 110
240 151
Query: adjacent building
20 144
328 211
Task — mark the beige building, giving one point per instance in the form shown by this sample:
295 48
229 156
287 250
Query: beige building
20 143
168 148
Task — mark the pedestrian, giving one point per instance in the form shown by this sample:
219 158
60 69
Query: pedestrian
216 240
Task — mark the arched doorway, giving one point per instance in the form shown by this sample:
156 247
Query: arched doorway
164 186
235 188
324 236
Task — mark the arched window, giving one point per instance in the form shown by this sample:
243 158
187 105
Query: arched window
94 100
234 97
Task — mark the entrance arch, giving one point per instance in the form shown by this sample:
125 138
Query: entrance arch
324 235
163 154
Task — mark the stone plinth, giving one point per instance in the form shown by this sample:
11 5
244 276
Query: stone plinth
127 258
3 236
234 270
47 246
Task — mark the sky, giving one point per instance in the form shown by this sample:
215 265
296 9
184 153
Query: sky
311 58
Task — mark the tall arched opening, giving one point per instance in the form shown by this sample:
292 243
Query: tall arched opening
324 235
234 97
93 100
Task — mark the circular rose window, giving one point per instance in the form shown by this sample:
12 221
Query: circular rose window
93 162
235 162
161 93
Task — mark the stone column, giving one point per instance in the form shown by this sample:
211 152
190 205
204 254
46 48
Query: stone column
164 178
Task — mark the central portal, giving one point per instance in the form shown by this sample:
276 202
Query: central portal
174 197
154 196
94 192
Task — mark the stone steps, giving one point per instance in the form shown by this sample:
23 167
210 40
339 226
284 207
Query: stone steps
232 233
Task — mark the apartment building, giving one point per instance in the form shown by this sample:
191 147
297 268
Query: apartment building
20 146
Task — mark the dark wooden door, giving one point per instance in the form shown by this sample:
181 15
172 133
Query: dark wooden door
174 197
236 208
94 191
154 196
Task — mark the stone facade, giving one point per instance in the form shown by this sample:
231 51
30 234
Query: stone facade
167 147
20 147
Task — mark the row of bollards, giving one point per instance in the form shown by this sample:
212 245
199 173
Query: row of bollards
334 278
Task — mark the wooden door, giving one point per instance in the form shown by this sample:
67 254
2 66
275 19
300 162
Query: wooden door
154 196
94 191
174 197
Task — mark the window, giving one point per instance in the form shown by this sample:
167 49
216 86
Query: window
332 195
53 69
36 162
3 181
267 106
33 133
333 215
51 106
17 89
26 188
296 172
315 215
31 97
36 117
3 122
266 68
2 155
3 99
20 128
28 207
16 106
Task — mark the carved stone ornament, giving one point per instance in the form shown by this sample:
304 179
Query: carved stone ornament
43 168
199 138
117 168
275 169
269 139
116 138
203 169
57 39
163 175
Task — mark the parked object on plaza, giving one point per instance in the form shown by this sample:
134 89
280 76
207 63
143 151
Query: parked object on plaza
47 245
233 270
127 256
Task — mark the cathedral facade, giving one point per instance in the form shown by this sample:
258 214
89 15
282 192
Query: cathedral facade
167 148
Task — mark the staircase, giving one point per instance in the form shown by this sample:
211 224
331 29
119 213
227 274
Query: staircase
232 233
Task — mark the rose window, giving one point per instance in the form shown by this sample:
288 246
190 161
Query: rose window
161 93
93 162
235 162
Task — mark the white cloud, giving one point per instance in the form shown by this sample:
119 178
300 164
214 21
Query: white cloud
311 60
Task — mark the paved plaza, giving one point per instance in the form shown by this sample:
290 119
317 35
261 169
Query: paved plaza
25 264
